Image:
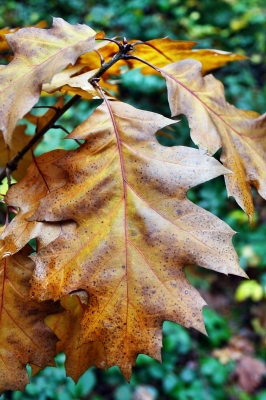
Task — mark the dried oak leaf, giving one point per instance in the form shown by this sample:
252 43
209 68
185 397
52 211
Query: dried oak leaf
78 84
163 51
4 46
136 230
214 123
67 328
42 177
24 338
37 59
19 140
250 372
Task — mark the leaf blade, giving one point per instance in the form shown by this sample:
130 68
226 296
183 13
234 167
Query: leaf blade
39 55
135 232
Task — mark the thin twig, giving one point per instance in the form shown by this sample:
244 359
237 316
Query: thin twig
65 130
54 108
114 41
154 48
131 57
101 57
61 127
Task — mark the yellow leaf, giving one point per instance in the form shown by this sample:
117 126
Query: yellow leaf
248 289
161 52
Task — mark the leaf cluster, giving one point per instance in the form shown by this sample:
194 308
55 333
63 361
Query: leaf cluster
113 226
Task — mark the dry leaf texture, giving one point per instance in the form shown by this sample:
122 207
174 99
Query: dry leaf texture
42 177
19 140
39 55
135 232
24 338
214 123
67 328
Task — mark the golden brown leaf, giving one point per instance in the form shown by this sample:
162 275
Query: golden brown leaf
37 59
42 177
161 52
135 232
19 140
77 84
24 338
214 123
67 328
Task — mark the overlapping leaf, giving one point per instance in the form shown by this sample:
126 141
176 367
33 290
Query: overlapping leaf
135 232
67 328
19 140
77 84
39 55
214 123
4 46
161 52
24 338
42 177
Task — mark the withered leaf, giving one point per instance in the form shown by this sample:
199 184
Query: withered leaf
24 338
161 52
79 84
214 123
250 372
135 232
19 140
67 328
39 55
26 195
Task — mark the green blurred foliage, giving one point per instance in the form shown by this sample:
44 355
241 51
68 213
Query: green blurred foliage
189 371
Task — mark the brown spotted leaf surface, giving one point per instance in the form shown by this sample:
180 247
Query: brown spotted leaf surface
24 338
67 327
214 123
42 178
38 55
134 230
